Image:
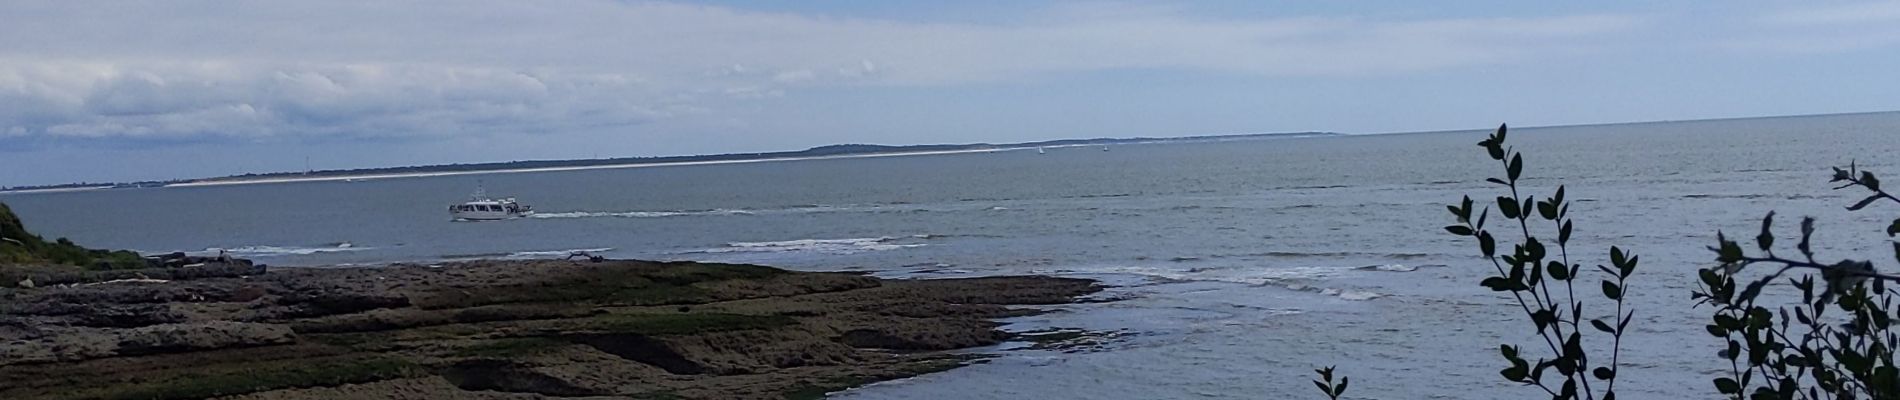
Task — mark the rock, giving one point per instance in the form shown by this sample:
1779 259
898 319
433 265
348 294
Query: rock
26 283
247 294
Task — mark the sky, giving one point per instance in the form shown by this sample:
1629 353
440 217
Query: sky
119 91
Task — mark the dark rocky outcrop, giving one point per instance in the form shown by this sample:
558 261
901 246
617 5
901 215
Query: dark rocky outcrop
493 329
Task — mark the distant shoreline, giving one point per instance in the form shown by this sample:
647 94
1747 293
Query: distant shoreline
327 178
845 151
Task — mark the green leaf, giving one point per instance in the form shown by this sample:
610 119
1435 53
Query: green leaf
1558 271
1328 390
1728 251
1459 230
1867 179
1563 234
1508 206
1766 239
1602 326
1864 202
1516 168
1487 244
1515 373
1603 373
1500 284
1341 389
1611 291
1727 386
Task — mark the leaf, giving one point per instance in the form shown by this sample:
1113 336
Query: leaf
1603 373
1864 202
1617 257
1612 291
1501 130
1487 244
1727 386
1557 271
1867 179
1563 234
1602 326
1508 206
1459 230
1515 373
1766 239
1729 252
1516 168
1328 390
1341 389
1807 231
1500 284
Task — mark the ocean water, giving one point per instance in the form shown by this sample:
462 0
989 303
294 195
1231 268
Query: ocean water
1240 266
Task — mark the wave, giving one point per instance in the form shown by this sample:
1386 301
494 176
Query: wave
825 246
1397 267
1297 278
1332 254
555 253
275 251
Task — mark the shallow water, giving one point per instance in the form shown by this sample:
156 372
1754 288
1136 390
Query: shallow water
1243 265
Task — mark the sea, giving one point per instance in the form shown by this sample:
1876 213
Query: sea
1236 268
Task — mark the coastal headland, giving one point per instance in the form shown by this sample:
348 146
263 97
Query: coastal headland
520 329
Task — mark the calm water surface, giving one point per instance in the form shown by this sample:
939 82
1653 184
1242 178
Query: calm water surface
1243 264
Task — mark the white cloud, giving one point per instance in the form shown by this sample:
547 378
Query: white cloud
380 68
1812 28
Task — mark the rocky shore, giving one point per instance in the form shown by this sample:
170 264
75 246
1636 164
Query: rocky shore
493 330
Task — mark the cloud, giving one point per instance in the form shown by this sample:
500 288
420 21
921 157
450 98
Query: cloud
1822 28
359 68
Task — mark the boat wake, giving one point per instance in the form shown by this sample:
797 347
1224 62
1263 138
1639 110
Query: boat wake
639 214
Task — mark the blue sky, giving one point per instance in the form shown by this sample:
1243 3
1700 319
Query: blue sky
114 91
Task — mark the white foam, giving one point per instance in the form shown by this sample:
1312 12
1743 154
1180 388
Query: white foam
1296 278
826 246
556 253
639 214
1390 268
274 251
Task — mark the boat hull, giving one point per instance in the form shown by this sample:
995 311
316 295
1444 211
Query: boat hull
486 215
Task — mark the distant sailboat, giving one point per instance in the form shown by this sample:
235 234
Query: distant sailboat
1105 147
1040 150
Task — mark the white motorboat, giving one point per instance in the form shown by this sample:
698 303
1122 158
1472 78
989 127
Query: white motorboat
482 208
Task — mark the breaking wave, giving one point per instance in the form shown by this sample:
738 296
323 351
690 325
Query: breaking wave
275 251
555 253
1296 278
